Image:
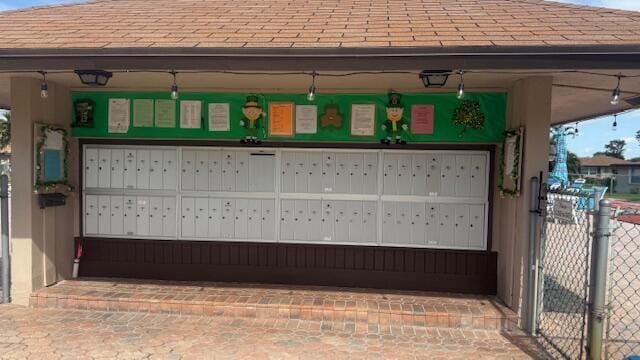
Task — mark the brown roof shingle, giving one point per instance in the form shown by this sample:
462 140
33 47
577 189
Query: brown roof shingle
315 23
603 160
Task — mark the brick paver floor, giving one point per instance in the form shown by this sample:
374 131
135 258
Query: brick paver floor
27 333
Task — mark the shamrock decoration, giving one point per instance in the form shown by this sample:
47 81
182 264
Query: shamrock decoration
468 115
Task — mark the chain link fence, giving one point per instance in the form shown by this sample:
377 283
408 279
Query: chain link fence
565 258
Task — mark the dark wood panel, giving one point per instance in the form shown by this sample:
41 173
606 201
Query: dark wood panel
354 266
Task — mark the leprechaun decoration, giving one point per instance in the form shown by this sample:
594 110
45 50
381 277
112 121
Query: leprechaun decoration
252 112
395 125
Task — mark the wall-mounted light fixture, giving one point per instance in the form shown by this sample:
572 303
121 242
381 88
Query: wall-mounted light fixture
94 77
434 78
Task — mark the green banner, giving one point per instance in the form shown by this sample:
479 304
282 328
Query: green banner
491 105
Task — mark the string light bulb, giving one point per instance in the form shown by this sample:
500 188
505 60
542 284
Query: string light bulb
576 131
615 96
460 94
44 87
174 86
615 122
311 95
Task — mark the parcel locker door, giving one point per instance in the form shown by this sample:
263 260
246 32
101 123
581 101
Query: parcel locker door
169 169
130 219
301 172
130 168
215 218
155 214
117 168
448 176
328 172
328 221
104 168
288 172
262 172
202 170
215 170
268 220
91 214
228 171
341 227
228 222
419 174
478 175
434 174
188 170
342 173
142 168
155 170
104 215
418 221
314 220
462 226
447 227
242 171
240 220
287 229
370 173
254 219
355 222
463 176
169 216
142 216
315 172
403 181
300 220
403 223
389 235
91 164
202 217
188 216
432 224
369 222
476 227
117 215
390 174
356 173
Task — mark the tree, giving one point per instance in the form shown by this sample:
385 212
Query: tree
5 129
615 148
573 164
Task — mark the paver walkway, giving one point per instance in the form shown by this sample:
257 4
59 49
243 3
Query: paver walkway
27 333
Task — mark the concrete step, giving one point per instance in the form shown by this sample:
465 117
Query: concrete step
338 305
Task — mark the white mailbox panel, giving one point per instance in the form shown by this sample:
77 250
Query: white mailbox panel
117 215
476 226
130 166
91 164
201 216
478 175
462 226
448 176
242 171
215 218
228 221
104 168
169 169
155 170
370 173
228 182
403 222
104 214
91 214
314 166
188 216
419 174
201 170
215 170
117 169
240 224
130 212
143 167
169 216
268 220
188 170
155 215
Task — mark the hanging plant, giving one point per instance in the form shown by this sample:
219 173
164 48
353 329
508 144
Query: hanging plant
468 115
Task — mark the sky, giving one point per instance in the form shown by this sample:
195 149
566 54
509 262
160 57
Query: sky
592 134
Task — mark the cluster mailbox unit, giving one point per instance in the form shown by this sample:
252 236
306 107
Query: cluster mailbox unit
372 197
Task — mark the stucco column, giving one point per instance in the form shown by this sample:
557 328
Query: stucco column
529 107
41 240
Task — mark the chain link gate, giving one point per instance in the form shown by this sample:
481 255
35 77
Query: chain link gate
563 289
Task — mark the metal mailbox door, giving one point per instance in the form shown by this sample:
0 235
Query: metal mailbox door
130 166
288 173
328 221
419 174
91 164
328 172
169 170
447 228
403 181
104 168
91 214
228 171
117 215
142 216
268 220
434 174
169 216
215 218
117 168
155 214
315 173
202 171
448 176
478 175
187 214
370 173
227 224
242 171
130 211
254 219
201 216
188 179
418 221
287 230
462 226
432 224
356 173
155 170
104 214
143 167
389 235
463 176
300 220
215 170
343 183
262 172
390 174
476 226
314 220
240 224
355 222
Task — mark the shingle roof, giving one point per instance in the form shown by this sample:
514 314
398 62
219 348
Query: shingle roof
603 160
315 23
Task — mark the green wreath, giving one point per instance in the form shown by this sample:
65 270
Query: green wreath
515 173
48 185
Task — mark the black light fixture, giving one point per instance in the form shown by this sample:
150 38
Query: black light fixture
615 122
615 95
44 87
94 77
434 78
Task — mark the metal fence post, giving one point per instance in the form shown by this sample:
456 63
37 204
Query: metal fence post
532 281
600 262
4 230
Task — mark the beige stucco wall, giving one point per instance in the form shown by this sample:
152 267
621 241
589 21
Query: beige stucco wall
529 107
41 240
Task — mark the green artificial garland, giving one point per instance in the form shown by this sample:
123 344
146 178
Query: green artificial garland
48 185
468 115
515 172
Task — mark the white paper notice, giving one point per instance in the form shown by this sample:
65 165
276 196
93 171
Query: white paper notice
118 115
363 118
190 114
143 113
219 117
53 140
306 119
